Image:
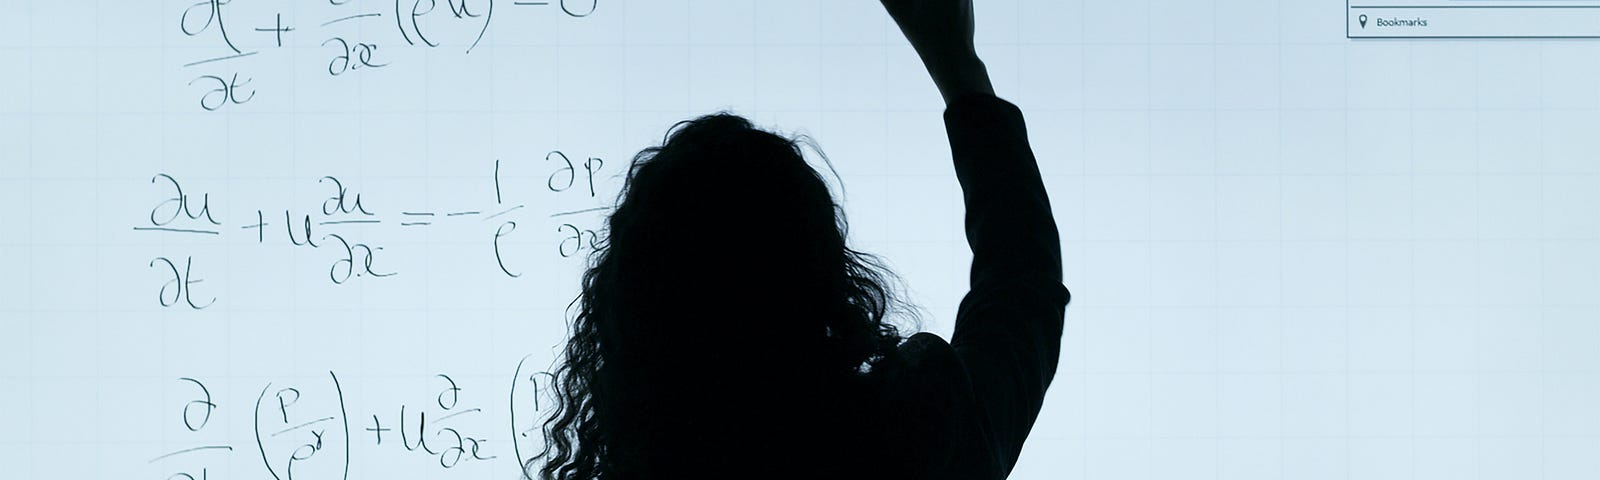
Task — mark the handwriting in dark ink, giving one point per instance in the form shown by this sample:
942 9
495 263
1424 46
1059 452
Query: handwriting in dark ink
504 230
566 175
204 404
213 16
352 57
349 261
336 204
225 92
180 204
181 285
574 241
305 240
577 9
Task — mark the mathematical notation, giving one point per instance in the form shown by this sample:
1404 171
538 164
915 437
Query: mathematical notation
307 428
181 210
344 31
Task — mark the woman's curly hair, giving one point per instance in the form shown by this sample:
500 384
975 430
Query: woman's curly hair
719 222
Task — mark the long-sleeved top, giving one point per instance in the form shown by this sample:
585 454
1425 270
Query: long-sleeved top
962 409
932 410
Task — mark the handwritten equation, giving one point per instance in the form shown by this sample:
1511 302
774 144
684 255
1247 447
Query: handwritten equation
180 211
348 44
307 429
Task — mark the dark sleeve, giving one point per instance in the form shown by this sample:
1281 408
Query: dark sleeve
1008 327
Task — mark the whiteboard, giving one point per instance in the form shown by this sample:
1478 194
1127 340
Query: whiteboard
1293 254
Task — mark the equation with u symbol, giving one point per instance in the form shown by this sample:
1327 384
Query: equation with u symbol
328 426
350 229
342 37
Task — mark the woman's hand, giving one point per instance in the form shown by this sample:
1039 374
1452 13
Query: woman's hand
941 33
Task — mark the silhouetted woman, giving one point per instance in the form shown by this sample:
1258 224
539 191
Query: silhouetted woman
727 331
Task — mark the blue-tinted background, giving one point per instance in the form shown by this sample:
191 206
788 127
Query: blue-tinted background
1293 255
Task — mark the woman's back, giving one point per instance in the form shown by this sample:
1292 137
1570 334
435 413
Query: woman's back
726 330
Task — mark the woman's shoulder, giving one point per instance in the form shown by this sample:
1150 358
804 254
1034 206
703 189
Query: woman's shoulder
929 406
925 372
926 352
